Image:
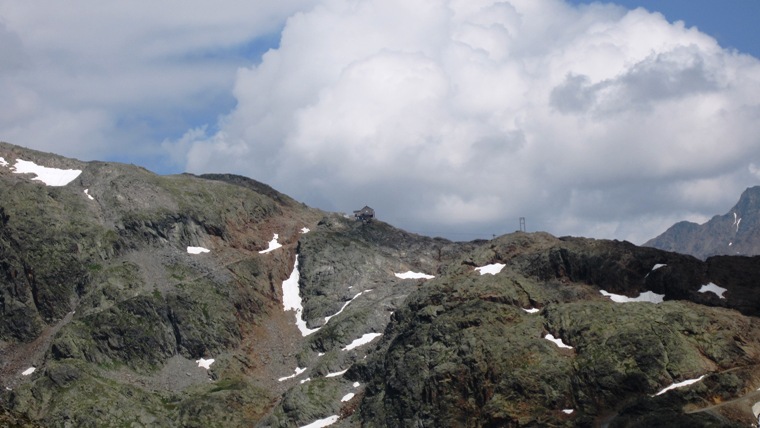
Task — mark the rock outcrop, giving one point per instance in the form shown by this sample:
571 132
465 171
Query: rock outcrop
470 349
101 294
134 299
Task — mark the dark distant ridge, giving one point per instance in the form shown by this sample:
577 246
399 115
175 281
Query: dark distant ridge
735 233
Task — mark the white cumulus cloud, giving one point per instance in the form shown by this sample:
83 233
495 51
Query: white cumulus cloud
591 120
449 117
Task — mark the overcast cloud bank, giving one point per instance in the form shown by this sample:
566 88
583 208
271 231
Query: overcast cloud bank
104 80
450 118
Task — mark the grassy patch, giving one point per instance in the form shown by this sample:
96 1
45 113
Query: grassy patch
228 385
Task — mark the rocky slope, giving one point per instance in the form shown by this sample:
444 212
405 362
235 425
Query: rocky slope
101 295
735 233
311 316
470 349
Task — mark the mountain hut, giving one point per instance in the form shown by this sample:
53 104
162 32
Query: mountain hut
365 214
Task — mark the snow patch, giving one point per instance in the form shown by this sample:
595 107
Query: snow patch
346 304
531 310
356 384
647 296
679 385
654 268
3 161
273 245
50 176
28 371
206 364
197 250
493 269
736 223
298 371
557 341
413 275
347 397
336 374
308 379
755 409
305 230
713 288
322 422
87 192
568 411
291 300
369 337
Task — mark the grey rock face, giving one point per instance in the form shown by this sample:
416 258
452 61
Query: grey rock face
102 281
735 233
101 297
464 352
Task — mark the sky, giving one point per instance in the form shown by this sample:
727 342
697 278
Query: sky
450 118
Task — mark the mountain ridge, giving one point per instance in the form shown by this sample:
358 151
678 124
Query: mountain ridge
164 300
735 233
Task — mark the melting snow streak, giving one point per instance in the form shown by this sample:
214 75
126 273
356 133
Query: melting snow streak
291 300
197 250
557 341
736 222
493 269
413 275
322 422
206 364
680 385
336 374
654 268
298 372
49 176
345 304
273 245
369 337
28 371
712 288
647 296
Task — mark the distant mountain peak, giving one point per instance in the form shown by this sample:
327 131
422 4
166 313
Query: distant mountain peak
735 233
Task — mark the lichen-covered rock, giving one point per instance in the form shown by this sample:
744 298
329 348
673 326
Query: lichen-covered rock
463 351
108 319
100 295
